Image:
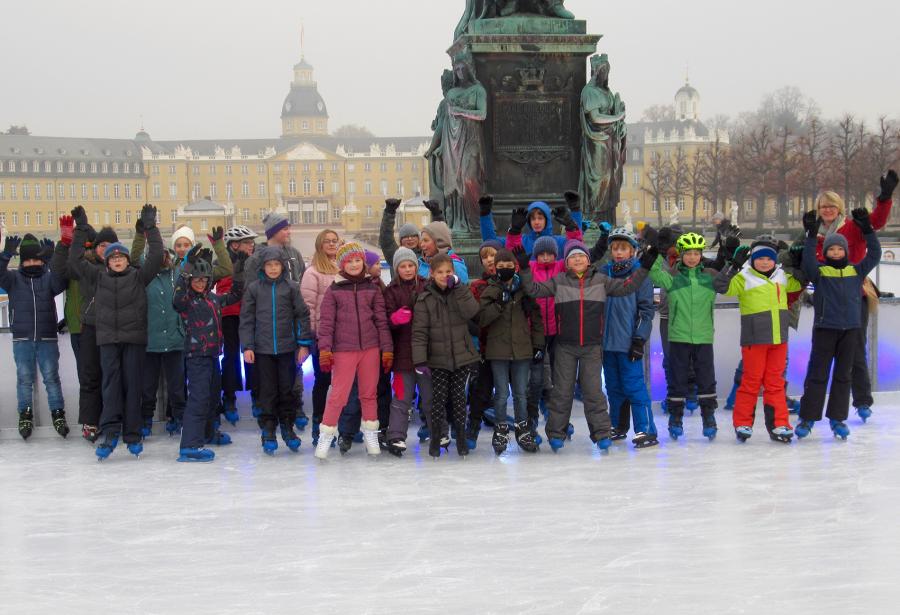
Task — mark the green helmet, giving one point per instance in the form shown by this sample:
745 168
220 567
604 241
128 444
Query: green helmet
690 241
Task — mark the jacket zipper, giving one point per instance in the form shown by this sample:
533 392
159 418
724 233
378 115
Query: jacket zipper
274 323
34 308
358 320
581 312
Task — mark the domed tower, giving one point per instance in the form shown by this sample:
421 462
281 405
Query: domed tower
687 103
303 111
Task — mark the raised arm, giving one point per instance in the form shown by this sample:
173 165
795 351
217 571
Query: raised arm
386 240
223 267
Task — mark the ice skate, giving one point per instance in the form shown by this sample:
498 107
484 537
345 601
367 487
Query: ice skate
89 433
864 413
396 447
326 435
290 438
269 443
147 428
804 428
500 438
603 444
423 434
556 444
370 437
345 443
781 434
59 422
676 427
644 440
709 425
105 448
729 401
136 448
472 431
220 438
793 405
525 438
570 431
195 455
173 426
26 422
743 432
615 435
230 411
301 421
840 429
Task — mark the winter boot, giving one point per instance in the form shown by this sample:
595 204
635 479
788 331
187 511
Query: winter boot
804 427
370 437
59 422
345 443
290 438
676 416
26 422
231 412
500 438
644 440
525 437
136 448
89 433
196 455
840 429
743 432
326 435
864 413
269 443
709 423
109 444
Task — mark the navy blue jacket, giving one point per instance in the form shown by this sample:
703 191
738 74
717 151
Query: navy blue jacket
628 316
32 308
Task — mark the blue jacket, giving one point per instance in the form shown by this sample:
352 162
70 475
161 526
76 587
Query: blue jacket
838 291
459 267
629 316
489 231
31 305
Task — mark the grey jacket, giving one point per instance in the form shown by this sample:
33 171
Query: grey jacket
294 266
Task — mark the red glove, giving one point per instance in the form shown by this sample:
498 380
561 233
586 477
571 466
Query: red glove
326 361
66 230
403 316
387 361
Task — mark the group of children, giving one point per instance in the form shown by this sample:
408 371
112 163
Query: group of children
547 313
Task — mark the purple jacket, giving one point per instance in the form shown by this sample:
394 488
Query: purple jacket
352 317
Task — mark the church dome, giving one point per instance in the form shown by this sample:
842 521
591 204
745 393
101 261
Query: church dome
303 101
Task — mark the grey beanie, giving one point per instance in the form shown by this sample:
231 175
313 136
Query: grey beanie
404 254
409 230
274 222
835 239
440 233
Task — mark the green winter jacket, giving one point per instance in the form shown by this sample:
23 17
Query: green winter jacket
692 297
72 308
763 301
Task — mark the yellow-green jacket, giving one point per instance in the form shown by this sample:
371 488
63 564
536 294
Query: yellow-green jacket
763 301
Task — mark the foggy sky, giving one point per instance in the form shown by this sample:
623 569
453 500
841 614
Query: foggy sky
204 69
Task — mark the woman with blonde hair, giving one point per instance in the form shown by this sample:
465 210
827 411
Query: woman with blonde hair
316 280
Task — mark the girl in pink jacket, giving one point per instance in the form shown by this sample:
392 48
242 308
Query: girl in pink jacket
354 343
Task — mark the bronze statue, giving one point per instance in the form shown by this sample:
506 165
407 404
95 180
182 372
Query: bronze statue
602 143
462 146
435 150
490 9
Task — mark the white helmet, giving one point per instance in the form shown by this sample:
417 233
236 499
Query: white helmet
239 233
623 233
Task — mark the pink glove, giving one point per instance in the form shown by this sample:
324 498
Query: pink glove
403 316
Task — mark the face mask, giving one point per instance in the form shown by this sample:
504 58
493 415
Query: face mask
505 275
32 271
837 263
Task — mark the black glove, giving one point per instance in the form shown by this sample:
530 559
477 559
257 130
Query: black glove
193 254
888 183
437 214
538 356
861 217
148 217
564 218
636 352
217 233
600 247
650 236
521 258
46 250
485 205
517 220
796 254
811 223
740 256
80 216
573 200
731 244
205 255
11 245
391 205
651 253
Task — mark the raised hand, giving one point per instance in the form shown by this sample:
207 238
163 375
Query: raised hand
651 253
435 208
217 233
148 217
517 220
811 223
564 217
391 205
80 216
485 205
66 230
521 258
12 245
888 183
861 218
740 256
573 200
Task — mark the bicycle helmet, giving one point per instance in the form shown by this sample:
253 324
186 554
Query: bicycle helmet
202 269
623 234
690 241
239 233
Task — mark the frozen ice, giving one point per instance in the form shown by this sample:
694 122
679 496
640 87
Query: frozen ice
686 527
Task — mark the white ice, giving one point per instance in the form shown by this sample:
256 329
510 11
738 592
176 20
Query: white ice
688 527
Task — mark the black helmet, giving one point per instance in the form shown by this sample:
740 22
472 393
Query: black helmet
202 269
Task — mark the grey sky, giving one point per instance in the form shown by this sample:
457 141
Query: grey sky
206 69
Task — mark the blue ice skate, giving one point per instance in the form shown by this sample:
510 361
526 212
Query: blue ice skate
840 429
301 422
570 431
423 434
556 444
864 413
196 455
743 432
676 428
269 443
173 427
793 405
290 439
230 411
220 439
604 443
105 449
147 428
803 428
136 448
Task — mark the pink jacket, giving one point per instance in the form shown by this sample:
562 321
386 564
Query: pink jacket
352 317
312 288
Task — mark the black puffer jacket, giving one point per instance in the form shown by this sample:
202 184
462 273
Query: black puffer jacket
119 305
31 304
440 337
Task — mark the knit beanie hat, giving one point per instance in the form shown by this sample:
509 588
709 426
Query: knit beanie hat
573 246
402 255
274 222
763 250
545 245
116 248
490 243
440 233
29 248
183 232
106 235
409 230
348 251
835 239
372 258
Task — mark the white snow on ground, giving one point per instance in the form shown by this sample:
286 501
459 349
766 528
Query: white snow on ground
686 527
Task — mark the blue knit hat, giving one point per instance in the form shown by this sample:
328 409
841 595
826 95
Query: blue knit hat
490 243
545 245
114 249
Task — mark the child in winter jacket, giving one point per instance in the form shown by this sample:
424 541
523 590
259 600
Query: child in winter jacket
515 340
628 323
31 289
354 342
276 337
837 297
539 220
581 293
201 312
691 298
443 349
762 288
120 304
399 299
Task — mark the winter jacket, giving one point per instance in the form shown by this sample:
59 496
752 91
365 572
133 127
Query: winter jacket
581 301
541 272
352 317
763 300
165 325
397 295
86 288
459 267
856 241
691 299
489 231
223 287
313 287
440 335
274 317
201 314
838 291
32 308
387 241
290 256
120 299
628 317
514 329
73 308
222 266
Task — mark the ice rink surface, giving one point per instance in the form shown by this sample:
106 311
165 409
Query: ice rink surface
686 527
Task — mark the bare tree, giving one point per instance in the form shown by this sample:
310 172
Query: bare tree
713 169
848 145
786 162
657 183
18 130
696 177
658 113
815 154
679 176
353 131
760 163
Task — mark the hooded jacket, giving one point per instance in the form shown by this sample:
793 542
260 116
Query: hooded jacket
514 329
201 314
353 317
541 272
274 317
691 298
32 308
628 317
397 295
440 336
528 236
